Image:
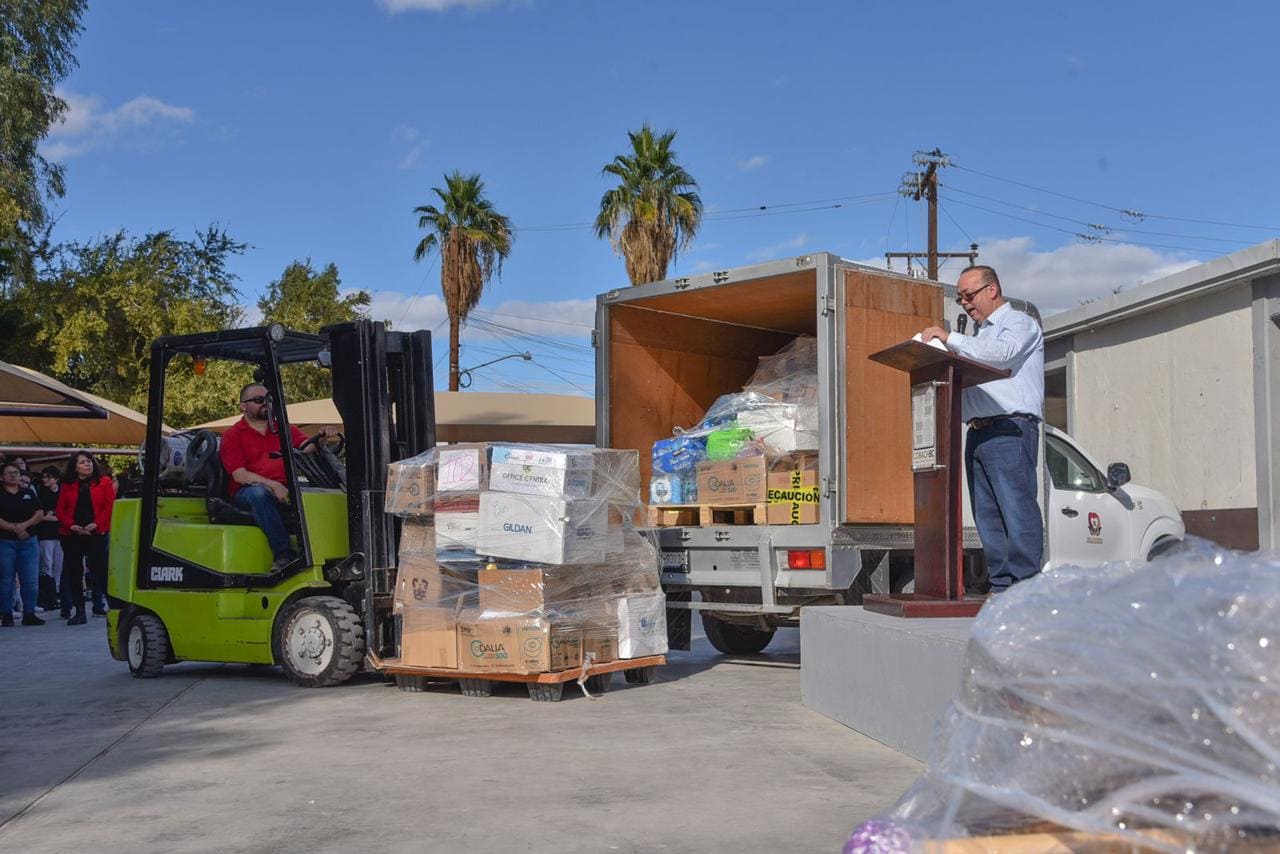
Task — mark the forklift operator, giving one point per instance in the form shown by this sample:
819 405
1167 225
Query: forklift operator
250 452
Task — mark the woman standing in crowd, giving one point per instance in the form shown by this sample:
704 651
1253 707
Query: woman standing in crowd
84 519
50 542
19 555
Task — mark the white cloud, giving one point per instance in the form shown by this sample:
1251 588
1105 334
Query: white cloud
412 143
88 125
753 163
571 319
1060 279
779 250
397 6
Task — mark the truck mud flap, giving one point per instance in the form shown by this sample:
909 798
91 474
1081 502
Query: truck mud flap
679 622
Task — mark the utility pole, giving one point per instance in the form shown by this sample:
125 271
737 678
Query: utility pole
918 185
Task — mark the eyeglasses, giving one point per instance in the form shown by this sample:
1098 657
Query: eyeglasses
13 472
967 296
260 399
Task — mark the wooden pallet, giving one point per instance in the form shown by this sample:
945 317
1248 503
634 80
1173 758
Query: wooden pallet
542 686
704 515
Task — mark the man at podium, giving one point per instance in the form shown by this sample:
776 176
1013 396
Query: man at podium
1003 441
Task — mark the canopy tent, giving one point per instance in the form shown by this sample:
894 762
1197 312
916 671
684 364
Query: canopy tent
36 409
475 416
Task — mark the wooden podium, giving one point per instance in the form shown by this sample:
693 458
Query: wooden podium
937 376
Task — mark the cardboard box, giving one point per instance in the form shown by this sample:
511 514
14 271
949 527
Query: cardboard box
528 471
457 531
600 641
642 625
428 637
793 490
539 529
410 487
503 643
421 582
740 481
462 468
417 538
533 589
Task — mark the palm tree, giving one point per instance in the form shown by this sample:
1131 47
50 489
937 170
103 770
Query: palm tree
473 240
654 211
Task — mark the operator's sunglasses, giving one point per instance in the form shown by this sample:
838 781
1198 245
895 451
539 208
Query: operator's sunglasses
260 399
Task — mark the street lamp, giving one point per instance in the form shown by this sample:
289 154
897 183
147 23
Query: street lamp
464 375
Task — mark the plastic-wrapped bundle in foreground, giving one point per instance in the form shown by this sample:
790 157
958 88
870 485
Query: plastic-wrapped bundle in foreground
1126 707
523 559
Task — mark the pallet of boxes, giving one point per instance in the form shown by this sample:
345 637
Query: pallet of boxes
753 458
522 563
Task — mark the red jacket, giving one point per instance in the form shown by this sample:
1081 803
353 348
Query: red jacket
101 494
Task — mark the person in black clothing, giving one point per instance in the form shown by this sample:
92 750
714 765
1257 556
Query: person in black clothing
19 556
50 542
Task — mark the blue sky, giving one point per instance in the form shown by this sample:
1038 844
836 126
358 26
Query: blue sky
312 129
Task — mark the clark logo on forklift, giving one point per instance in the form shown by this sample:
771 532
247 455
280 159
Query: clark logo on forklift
167 573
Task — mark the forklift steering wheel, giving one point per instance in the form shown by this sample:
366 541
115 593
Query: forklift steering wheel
202 448
335 450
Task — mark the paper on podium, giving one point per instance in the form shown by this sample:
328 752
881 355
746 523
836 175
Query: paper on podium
936 343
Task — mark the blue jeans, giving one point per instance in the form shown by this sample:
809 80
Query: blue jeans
19 559
1000 463
258 500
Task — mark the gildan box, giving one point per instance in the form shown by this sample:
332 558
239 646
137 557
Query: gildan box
498 642
428 637
539 529
642 625
793 490
410 487
462 468
529 471
421 582
738 481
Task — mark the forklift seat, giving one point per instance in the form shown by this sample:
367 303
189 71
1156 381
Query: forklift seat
204 467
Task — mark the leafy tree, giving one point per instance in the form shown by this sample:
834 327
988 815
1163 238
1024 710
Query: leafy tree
96 309
306 300
655 209
36 42
473 240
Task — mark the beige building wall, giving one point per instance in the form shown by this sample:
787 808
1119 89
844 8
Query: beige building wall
1171 393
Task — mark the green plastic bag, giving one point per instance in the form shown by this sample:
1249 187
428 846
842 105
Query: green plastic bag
727 443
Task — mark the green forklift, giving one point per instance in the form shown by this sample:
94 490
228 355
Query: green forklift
190 576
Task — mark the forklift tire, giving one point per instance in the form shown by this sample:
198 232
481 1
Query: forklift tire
546 692
476 687
733 638
600 683
146 646
639 676
319 641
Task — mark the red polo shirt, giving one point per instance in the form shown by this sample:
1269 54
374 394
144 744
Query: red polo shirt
245 448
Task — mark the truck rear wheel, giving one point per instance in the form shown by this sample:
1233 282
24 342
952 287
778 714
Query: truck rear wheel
146 646
319 641
735 638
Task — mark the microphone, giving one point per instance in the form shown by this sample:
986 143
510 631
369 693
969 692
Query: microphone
962 322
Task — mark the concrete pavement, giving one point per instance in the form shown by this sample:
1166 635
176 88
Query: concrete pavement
716 755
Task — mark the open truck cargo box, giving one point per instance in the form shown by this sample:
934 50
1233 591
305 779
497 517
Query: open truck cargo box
669 349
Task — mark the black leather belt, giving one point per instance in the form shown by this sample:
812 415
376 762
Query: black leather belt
984 423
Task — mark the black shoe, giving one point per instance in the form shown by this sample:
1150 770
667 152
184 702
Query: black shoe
283 562
77 620
66 614
6 620
99 612
31 620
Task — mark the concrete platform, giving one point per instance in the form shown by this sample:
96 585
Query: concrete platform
886 677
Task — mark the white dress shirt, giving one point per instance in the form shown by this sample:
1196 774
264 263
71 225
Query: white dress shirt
1011 340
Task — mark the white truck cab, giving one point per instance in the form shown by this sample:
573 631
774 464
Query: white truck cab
1095 516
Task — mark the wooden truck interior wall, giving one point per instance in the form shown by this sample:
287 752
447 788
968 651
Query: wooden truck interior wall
881 311
669 360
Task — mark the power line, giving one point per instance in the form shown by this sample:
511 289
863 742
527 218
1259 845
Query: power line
948 215
1132 214
538 319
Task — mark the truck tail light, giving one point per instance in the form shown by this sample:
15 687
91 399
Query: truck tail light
806 559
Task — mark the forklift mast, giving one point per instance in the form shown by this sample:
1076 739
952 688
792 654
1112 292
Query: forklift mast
385 395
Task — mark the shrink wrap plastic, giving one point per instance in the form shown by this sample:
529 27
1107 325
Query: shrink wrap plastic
534 564
1131 705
